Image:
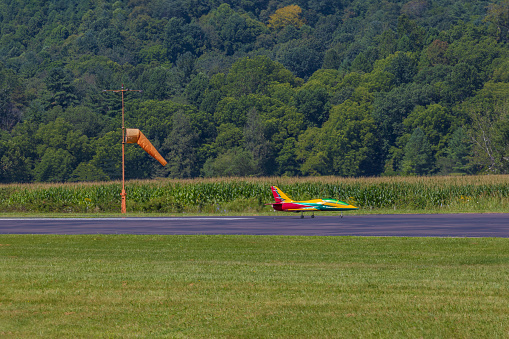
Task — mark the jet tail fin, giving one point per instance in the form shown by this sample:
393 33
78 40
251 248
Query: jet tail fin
279 196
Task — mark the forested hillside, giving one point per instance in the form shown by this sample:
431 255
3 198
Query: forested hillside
252 88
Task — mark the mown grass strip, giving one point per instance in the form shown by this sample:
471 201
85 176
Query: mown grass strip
252 286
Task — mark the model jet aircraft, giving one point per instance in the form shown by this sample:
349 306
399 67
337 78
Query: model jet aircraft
283 203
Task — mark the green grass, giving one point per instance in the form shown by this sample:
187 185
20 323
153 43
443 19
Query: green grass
253 286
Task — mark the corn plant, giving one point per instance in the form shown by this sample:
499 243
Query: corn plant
220 194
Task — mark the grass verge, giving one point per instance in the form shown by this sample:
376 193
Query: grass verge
252 286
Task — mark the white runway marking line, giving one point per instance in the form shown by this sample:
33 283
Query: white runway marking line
129 218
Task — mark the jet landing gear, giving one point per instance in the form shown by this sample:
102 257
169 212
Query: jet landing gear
312 215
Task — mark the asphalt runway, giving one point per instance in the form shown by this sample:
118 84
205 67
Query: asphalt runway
402 225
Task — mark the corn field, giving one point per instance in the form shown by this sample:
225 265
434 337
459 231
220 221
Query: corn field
224 195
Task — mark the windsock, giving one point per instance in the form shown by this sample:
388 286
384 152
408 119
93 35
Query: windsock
134 136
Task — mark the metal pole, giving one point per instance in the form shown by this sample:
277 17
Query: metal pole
122 206
122 194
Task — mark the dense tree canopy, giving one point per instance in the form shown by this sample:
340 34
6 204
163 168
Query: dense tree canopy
251 88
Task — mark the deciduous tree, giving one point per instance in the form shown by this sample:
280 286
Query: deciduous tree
180 148
417 159
289 15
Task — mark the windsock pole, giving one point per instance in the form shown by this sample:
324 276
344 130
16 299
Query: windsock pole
122 194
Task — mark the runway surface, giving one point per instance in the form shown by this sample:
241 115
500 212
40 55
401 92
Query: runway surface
406 225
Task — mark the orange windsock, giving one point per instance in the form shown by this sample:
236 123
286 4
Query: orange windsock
134 136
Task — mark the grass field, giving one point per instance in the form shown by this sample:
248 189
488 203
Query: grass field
253 286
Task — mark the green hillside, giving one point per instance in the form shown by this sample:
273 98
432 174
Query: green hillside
253 88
